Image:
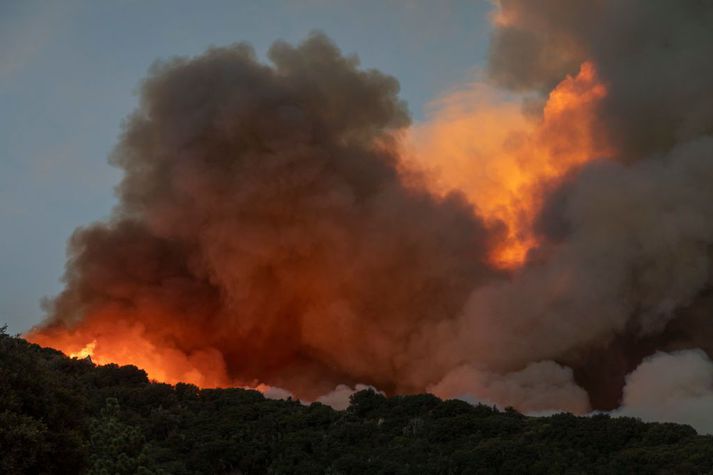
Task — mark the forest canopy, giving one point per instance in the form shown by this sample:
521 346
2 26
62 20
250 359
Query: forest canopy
68 415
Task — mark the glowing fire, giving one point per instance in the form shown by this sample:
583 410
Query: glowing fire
483 145
125 344
85 352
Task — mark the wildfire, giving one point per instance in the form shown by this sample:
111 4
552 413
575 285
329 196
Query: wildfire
477 142
125 344
484 146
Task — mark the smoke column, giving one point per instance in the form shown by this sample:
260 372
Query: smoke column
282 224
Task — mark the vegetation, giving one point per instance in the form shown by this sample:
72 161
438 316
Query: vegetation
62 415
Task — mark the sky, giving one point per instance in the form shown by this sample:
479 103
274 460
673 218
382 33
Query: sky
69 73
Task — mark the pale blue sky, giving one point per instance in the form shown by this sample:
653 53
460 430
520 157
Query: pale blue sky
68 76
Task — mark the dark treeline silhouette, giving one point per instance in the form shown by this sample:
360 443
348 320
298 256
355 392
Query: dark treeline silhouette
62 415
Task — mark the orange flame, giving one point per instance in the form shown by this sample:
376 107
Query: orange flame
108 341
483 145
86 352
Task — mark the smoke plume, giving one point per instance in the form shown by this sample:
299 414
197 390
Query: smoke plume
264 233
283 225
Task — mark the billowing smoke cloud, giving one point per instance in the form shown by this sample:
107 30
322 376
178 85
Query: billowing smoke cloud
263 228
636 254
676 386
536 388
269 230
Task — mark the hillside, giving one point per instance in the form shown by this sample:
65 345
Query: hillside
62 415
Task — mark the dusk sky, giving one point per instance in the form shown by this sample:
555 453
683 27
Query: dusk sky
68 78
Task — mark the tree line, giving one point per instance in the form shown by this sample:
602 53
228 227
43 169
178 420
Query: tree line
61 415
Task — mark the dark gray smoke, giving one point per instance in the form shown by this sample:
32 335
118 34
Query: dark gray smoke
653 55
262 216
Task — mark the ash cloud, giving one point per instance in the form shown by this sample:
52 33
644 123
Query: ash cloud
539 387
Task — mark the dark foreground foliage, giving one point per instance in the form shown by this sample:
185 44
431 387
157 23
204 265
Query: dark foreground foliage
61 415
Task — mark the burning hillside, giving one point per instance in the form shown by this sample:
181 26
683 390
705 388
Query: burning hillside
283 225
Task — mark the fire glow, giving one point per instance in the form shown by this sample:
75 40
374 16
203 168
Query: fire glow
105 343
505 162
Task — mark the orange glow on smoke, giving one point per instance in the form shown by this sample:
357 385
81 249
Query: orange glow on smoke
484 146
477 142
